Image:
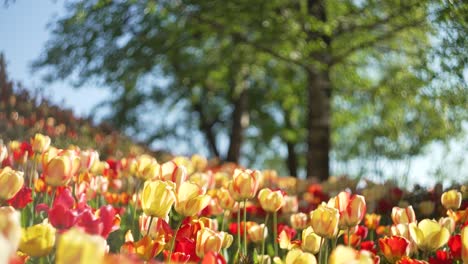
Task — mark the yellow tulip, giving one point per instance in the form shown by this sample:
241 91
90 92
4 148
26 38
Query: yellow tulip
61 168
451 199
37 240
10 228
146 167
11 182
208 240
75 246
324 220
297 256
157 198
464 239
225 199
191 199
40 143
271 201
244 184
429 235
227 239
310 241
348 255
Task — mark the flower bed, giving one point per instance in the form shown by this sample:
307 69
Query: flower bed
68 206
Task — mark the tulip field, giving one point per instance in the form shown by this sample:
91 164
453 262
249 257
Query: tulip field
69 206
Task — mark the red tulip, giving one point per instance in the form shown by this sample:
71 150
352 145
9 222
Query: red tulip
394 248
21 198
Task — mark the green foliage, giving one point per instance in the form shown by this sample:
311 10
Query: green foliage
396 69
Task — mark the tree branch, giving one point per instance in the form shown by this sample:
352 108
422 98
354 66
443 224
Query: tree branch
340 57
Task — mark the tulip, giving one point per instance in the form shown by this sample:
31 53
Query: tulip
451 199
464 240
157 198
170 171
271 201
75 246
291 204
352 209
310 241
40 143
11 182
61 168
257 232
244 184
227 239
408 260
146 167
372 221
3 151
159 227
299 220
89 158
429 235
37 240
403 231
208 240
297 256
448 223
345 255
10 229
191 199
403 215
394 248
225 199
324 221
426 208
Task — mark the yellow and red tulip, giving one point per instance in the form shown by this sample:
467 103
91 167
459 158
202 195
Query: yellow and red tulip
271 201
394 248
244 184
403 215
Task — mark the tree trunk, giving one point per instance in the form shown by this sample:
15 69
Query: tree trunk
237 128
292 158
206 127
319 98
318 138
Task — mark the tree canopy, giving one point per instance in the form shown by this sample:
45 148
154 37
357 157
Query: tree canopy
293 80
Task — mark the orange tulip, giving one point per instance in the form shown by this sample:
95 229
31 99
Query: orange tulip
244 184
394 248
191 199
372 221
324 220
403 215
60 169
207 241
271 201
11 182
451 199
352 208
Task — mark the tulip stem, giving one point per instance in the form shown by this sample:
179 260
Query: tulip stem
239 246
320 250
135 207
149 227
179 223
245 226
275 232
223 220
349 237
54 190
263 236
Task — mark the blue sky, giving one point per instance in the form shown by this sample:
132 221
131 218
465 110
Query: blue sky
24 32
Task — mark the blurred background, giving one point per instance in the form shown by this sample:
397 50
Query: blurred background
374 89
